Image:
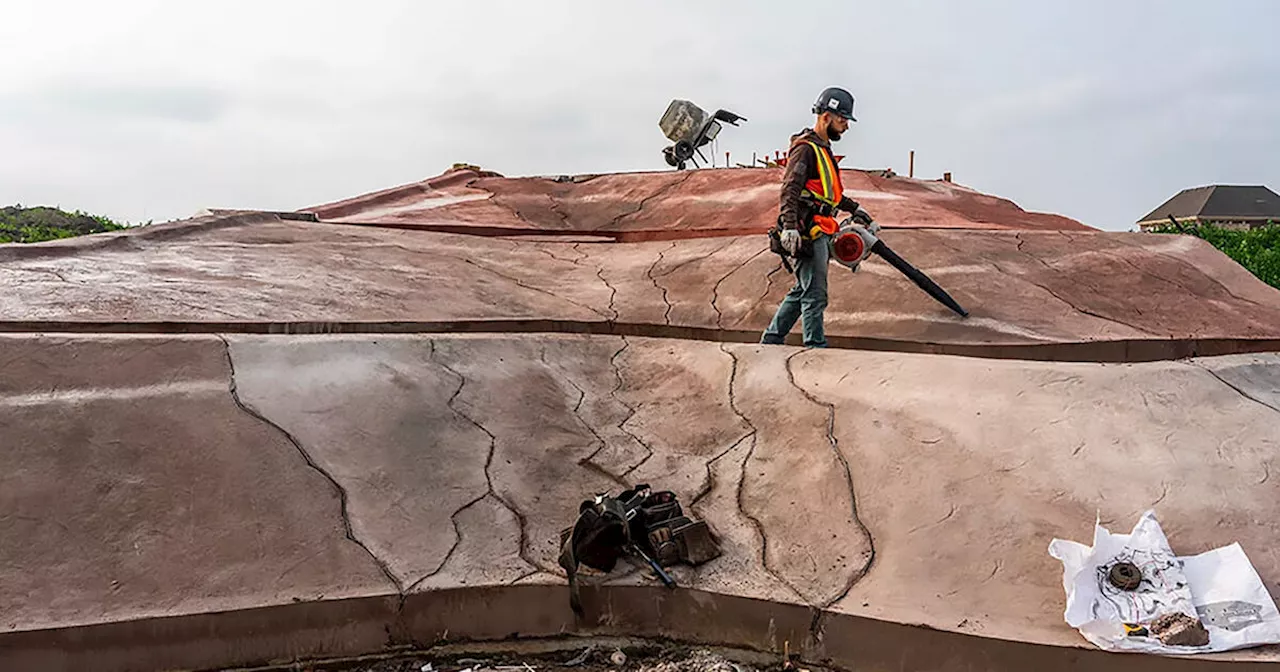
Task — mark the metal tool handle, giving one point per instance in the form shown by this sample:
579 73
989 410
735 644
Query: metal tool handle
662 573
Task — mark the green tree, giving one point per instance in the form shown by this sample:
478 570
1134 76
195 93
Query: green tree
1256 249
35 225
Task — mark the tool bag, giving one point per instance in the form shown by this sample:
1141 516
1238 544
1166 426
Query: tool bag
809 208
609 528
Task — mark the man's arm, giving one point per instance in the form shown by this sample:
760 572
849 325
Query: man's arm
798 161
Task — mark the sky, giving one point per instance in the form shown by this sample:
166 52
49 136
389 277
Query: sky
1097 110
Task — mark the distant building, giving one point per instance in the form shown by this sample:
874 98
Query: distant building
1228 206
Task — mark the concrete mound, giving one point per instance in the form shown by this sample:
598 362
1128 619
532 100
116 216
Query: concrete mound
1037 294
656 206
198 474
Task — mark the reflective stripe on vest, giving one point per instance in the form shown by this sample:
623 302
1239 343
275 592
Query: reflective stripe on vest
827 188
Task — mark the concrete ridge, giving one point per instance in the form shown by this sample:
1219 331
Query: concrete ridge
282 634
1103 351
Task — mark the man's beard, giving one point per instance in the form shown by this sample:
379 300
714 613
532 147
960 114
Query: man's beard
833 134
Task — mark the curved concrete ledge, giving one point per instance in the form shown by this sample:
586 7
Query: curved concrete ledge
1110 297
1102 351
387 623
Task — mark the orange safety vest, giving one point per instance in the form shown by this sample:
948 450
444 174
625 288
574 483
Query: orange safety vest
827 188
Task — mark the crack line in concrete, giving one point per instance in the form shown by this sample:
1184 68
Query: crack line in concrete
1224 381
631 411
555 209
453 518
342 492
521 283
1059 297
715 290
535 572
768 287
577 412
645 201
613 291
742 479
1069 304
855 576
666 316
577 247
729 241
493 446
1216 281
1164 492
940 521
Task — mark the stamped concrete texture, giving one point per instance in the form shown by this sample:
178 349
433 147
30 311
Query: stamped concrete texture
247 438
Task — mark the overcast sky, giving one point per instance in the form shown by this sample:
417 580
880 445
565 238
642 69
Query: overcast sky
1096 110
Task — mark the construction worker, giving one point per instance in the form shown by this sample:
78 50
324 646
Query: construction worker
811 195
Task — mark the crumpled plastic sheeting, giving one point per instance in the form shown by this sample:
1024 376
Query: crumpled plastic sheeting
1218 587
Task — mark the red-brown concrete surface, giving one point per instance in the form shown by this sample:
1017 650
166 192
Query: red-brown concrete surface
695 200
1022 288
134 486
241 495
172 476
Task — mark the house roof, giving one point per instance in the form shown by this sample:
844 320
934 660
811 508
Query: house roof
1222 202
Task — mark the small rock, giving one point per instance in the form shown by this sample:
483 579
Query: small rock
618 658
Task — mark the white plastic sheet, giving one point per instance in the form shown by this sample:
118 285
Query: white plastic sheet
1218 587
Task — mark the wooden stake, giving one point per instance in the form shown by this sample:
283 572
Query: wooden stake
911 170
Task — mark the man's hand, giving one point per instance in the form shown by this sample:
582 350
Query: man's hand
864 218
790 241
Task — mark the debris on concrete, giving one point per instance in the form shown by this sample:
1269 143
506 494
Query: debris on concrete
643 657
1130 592
580 658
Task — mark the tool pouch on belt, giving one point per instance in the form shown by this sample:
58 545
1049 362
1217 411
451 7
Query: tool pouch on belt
654 521
670 535
775 244
600 536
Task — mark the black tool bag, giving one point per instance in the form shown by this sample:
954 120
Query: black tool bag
638 519
808 208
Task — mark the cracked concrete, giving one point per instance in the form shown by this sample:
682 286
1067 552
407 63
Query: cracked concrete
1255 377
116 508
306 456
462 458
680 393
666 314
295 273
375 416
407 484
522 403
1000 488
794 474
